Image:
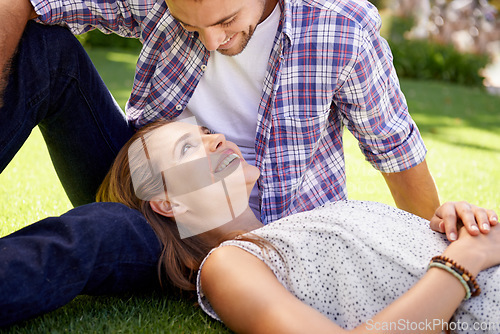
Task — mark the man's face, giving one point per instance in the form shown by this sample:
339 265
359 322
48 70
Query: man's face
222 25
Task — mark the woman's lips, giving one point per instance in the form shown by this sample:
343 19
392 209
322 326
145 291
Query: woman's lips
226 161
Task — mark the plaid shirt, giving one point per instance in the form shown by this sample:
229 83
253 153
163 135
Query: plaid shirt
329 67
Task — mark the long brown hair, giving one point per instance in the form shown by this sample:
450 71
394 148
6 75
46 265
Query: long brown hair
180 258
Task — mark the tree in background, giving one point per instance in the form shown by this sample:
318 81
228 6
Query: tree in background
470 25
427 45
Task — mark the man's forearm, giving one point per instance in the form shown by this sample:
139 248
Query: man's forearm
414 190
14 14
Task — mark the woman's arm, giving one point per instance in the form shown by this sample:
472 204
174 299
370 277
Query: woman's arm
437 295
249 299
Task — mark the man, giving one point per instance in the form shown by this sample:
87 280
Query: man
279 79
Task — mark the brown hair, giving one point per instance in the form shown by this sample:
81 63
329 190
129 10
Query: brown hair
180 258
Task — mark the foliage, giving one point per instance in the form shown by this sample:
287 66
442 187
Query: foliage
427 60
380 4
96 38
421 59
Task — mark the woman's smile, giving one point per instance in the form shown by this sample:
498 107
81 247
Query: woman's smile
226 161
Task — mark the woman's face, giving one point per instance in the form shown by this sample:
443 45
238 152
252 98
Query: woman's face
185 146
207 180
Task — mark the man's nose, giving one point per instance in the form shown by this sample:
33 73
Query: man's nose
212 37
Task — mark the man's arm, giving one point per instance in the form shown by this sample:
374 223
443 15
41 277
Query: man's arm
414 190
14 14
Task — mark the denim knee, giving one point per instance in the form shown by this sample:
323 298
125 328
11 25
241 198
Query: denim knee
101 248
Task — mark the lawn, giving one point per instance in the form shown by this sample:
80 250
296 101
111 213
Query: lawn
460 125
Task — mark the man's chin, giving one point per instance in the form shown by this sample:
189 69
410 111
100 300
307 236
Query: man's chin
230 52
236 49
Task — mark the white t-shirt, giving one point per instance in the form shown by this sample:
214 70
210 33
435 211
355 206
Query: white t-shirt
228 96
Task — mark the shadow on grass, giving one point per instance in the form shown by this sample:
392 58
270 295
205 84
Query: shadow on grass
456 115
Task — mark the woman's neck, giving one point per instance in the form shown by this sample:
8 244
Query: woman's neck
246 222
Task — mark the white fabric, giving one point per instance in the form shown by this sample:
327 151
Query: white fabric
228 96
351 259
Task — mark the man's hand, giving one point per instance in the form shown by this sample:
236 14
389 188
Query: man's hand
475 219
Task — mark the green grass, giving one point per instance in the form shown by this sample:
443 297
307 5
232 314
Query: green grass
461 127
149 313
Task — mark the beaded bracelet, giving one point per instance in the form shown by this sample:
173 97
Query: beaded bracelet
463 275
451 271
471 281
468 278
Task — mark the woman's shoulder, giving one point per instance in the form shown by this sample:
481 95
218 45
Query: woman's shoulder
228 271
223 257
225 261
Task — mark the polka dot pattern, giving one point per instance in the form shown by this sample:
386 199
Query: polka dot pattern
350 259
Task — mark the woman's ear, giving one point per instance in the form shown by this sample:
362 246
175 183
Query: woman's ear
166 208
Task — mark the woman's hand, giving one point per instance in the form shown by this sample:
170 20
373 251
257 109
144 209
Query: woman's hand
478 252
450 215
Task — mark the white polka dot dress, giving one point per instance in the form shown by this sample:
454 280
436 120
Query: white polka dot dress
350 259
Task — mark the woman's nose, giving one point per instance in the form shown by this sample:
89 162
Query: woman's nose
214 141
212 37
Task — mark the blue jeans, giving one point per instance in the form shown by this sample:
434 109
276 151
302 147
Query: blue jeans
95 248
54 85
99 248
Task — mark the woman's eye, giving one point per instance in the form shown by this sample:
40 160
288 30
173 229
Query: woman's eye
185 148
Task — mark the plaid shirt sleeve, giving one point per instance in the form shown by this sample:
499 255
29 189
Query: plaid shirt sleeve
374 108
110 16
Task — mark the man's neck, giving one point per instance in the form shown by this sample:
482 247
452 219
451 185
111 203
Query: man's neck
268 9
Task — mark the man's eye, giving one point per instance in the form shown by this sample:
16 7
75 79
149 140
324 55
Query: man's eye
227 24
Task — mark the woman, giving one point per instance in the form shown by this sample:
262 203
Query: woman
347 265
